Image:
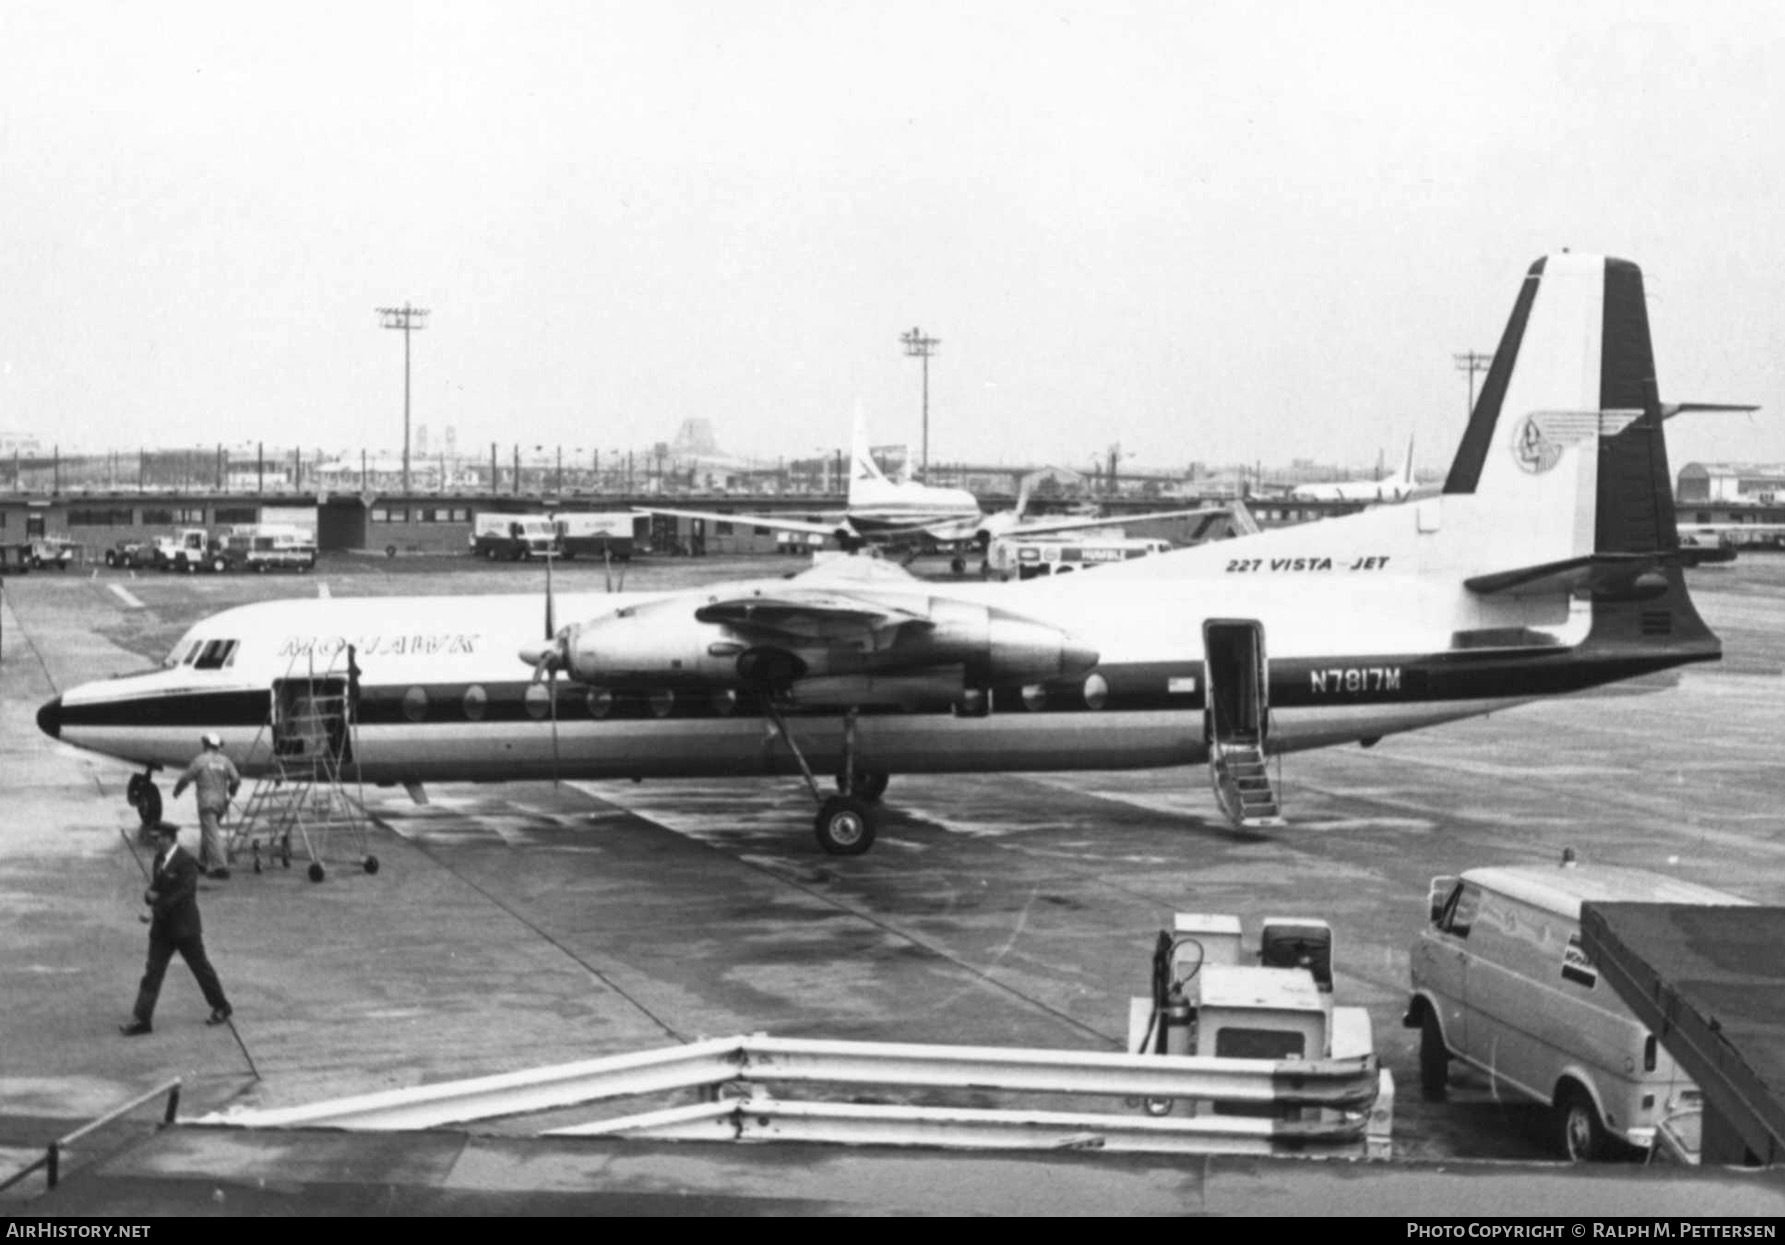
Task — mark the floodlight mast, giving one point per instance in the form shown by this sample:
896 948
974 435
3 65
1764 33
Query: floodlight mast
921 347
1472 361
409 319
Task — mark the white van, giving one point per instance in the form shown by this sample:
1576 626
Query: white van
1500 982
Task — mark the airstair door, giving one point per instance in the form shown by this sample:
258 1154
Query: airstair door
1236 720
312 721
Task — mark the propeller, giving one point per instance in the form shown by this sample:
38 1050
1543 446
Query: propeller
550 658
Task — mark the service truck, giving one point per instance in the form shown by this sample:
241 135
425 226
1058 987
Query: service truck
195 549
611 534
263 547
1029 558
513 537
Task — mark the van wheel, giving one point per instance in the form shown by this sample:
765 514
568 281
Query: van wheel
1434 1060
1583 1138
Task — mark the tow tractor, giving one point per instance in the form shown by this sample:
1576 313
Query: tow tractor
1212 998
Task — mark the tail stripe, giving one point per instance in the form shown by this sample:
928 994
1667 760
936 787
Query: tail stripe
1465 470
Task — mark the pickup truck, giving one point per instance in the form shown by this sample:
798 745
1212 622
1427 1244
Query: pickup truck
133 554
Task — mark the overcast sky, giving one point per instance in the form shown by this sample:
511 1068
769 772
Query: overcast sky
1207 231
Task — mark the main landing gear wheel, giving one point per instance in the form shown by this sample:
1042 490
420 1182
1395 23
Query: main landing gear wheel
371 864
845 825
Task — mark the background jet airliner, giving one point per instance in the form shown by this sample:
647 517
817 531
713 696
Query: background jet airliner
1549 563
905 513
1388 489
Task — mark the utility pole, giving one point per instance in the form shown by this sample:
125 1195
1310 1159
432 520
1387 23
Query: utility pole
408 319
921 347
1472 361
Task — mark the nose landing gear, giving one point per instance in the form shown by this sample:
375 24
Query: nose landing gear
144 796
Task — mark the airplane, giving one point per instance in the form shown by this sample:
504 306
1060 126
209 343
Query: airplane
904 513
878 510
1016 523
1393 488
1550 563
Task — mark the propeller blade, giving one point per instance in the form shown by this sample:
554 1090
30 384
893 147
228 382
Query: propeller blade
607 565
553 700
550 629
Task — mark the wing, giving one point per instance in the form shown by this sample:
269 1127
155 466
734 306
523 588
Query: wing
775 522
1045 527
804 614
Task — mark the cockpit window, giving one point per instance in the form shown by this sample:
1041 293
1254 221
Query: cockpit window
184 653
216 655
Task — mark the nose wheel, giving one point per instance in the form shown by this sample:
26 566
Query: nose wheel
144 796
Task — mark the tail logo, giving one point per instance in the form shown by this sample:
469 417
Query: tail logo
1534 451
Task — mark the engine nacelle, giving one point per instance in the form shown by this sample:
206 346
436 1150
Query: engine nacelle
662 644
993 645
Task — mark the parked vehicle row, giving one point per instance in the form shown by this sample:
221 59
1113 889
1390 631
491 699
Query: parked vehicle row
259 547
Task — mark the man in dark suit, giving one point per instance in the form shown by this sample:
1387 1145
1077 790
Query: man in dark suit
174 926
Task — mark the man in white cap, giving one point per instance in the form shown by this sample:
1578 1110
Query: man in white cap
217 781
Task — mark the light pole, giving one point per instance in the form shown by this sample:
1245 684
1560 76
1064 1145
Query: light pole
1472 361
921 347
409 319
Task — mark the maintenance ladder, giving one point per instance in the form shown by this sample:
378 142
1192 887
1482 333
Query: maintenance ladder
313 737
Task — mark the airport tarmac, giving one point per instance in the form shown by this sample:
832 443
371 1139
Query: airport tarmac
527 924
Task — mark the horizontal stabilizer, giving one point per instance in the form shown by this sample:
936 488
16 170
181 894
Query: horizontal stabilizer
1670 409
1616 573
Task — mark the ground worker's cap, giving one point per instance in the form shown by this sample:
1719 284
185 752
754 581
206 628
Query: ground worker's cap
165 829
211 739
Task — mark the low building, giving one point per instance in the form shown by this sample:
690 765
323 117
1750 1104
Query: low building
1755 484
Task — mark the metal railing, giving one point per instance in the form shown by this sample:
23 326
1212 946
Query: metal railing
52 1159
1344 1105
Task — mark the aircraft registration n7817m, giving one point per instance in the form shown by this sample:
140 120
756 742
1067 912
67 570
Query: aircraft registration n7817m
1550 563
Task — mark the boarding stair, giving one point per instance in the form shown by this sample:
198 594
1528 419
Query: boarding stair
1242 783
311 790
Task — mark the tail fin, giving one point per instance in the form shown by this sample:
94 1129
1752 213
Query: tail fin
862 468
1566 457
1022 494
